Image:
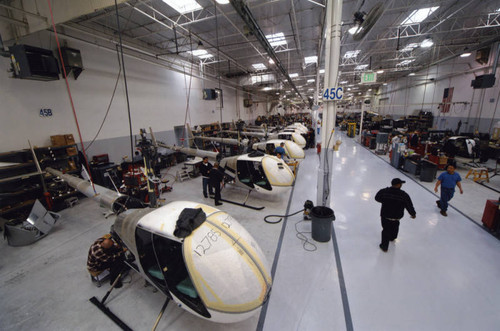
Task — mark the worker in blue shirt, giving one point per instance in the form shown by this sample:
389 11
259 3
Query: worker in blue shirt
447 180
280 149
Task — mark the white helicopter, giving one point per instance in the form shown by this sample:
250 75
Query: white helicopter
297 138
253 171
292 150
216 272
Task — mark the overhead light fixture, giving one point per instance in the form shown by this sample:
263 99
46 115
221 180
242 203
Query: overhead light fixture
355 29
205 56
348 88
385 84
222 2
259 66
411 74
199 52
271 61
466 52
310 80
267 88
294 75
343 82
380 71
409 47
369 90
321 71
419 15
351 54
184 6
361 67
427 42
406 62
311 59
276 39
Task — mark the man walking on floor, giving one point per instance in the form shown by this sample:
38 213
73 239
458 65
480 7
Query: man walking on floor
447 180
394 201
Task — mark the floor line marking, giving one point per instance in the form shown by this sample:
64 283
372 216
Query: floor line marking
263 312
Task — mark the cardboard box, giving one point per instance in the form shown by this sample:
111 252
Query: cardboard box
71 151
58 140
69 139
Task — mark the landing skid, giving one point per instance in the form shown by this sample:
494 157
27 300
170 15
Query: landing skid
244 203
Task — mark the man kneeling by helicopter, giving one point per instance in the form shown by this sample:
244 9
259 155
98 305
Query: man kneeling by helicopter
105 254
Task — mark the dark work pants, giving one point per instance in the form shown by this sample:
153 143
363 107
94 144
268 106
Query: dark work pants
446 195
390 231
216 188
205 186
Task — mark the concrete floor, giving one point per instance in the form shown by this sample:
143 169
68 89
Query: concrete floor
440 274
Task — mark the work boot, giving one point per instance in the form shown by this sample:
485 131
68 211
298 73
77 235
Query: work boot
438 203
443 213
382 248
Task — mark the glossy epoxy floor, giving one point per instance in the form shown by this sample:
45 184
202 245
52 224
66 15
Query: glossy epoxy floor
441 274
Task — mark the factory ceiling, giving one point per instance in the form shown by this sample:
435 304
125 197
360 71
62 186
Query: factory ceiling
274 48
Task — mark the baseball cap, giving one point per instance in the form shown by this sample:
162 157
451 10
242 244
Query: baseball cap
396 181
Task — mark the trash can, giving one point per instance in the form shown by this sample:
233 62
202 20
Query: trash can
428 171
321 218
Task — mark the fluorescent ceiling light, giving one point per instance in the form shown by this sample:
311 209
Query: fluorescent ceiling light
259 66
369 90
405 62
321 71
348 88
310 80
205 56
199 52
222 2
311 89
351 54
311 59
276 39
267 88
419 15
426 43
361 67
343 82
294 75
184 6
385 84
380 71
271 61
409 47
466 54
411 74
355 29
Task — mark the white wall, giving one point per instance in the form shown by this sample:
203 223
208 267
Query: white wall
474 107
158 99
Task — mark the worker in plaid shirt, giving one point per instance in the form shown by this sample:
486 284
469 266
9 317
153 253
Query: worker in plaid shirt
105 254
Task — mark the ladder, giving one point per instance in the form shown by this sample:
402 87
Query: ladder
183 175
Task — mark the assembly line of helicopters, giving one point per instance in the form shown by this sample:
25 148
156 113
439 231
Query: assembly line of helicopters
217 272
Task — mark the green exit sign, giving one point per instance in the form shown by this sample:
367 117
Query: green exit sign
368 77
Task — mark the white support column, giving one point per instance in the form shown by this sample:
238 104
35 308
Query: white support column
333 34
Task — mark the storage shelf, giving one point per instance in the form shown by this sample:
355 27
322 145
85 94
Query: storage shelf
17 207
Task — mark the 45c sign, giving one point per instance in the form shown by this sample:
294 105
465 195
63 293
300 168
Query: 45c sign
333 94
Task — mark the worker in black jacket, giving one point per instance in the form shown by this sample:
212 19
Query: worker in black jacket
205 168
216 178
394 201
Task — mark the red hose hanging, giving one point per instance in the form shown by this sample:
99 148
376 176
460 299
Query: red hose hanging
69 94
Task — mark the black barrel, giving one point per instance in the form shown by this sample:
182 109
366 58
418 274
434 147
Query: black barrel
321 218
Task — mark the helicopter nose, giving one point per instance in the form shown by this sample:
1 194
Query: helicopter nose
294 150
299 140
277 173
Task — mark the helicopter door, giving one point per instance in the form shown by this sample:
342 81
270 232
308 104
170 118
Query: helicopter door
270 149
163 263
245 172
171 262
